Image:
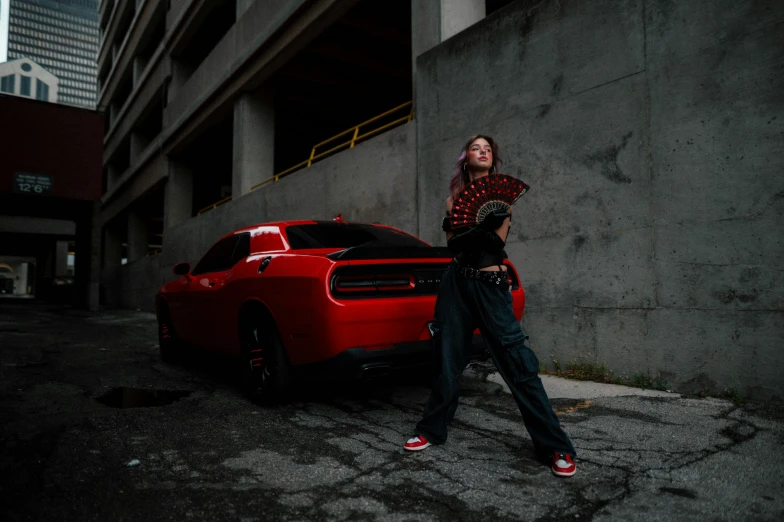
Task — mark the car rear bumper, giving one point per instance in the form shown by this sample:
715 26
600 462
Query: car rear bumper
358 363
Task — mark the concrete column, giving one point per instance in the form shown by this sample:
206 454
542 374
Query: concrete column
139 144
242 6
90 262
178 195
137 236
112 247
114 112
20 279
112 176
425 26
433 21
254 141
61 259
139 65
43 273
180 73
457 15
88 257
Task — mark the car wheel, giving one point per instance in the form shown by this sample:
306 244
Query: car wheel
265 367
168 341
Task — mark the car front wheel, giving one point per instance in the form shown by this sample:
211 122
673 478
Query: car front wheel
265 368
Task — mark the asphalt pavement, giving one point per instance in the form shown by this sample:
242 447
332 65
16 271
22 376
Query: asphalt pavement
200 451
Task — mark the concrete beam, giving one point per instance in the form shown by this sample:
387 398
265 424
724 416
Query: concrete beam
123 53
254 141
34 225
282 29
138 181
140 100
242 6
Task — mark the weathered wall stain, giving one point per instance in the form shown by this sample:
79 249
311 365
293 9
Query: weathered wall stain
728 296
680 492
608 160
557 84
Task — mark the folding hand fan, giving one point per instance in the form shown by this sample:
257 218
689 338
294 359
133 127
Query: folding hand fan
484 195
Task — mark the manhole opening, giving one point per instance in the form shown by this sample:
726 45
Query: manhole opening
124 397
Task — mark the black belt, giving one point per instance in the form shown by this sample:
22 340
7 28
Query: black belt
490 276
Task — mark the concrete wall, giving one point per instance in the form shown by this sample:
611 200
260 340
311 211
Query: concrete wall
652 134
374 181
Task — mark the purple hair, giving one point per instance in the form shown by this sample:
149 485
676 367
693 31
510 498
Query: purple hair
460 176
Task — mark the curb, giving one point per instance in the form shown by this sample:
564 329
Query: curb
561 388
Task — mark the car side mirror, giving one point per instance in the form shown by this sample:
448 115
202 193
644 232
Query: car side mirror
183 269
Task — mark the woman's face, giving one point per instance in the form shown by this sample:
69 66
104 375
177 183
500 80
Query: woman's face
479 155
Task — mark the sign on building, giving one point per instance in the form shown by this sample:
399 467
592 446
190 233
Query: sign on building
34 184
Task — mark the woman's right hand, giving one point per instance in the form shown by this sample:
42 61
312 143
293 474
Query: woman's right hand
494 220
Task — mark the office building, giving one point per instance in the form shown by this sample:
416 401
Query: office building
62 37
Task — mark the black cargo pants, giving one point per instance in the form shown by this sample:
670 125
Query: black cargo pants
462 305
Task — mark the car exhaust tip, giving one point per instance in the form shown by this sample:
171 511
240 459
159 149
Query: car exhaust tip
370 372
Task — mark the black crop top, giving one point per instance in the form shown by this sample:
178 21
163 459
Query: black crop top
481 258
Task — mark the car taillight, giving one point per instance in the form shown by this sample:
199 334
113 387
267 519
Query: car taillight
353 283
373 283
395 282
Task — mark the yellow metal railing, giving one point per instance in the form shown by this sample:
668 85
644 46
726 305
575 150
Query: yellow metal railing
210 207
356 137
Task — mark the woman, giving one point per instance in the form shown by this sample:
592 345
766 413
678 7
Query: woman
475 292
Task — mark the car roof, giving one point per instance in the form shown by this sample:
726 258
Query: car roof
284 224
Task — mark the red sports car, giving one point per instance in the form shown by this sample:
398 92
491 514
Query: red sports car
309 298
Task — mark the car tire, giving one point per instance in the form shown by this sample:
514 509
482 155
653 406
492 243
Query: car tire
266 374
168 340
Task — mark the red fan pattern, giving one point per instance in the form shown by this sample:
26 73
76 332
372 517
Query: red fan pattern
484 195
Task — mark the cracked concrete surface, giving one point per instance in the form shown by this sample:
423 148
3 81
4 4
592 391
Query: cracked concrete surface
335 451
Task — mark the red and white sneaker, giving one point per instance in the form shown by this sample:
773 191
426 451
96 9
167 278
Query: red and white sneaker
563 465
417 443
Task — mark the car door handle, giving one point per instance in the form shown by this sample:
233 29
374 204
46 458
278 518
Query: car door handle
212 283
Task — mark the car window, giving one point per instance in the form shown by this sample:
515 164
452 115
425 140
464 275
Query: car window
347 235
219 257
242 250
